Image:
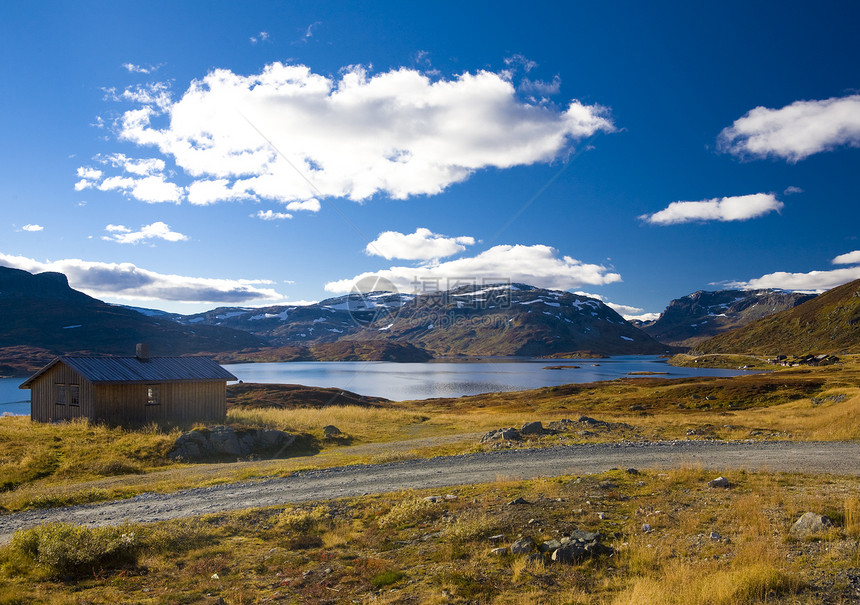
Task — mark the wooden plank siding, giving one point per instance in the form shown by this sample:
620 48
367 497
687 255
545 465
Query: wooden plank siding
43 396
178 402
126 403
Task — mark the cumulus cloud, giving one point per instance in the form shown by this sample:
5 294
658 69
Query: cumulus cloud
536 265
203 193
795 131
32 228
151 189
311 205
157 230
738 208
814 281
626 311
289 134
126 281
421 245
270 215
849 258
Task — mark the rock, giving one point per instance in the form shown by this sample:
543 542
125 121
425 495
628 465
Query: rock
532 428
810 524
517 501
719 482
496 538
584 536
331 432
592 421
224 441
499 551
573 552
506 434
434 499
522 546
632 471
549 546
715 536
646 528
535 558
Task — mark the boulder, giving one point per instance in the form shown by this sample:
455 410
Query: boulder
810 524
719 482
522 546
224 441
505 434
331 432
532 428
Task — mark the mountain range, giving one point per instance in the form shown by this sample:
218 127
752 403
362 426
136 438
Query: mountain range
694 318
43 317
828 323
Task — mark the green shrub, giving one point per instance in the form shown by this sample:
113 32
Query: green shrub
65 548
386 578
302 520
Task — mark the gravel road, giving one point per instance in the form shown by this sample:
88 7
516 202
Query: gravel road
838 458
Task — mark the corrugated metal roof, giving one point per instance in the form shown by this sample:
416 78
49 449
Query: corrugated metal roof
132 369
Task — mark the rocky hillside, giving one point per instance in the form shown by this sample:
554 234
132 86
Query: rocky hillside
497 320
42 313
828 323
511 320
697 317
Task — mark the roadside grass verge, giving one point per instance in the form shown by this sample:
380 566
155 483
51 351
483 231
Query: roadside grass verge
400 547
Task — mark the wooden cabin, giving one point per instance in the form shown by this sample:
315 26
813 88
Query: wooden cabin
129 390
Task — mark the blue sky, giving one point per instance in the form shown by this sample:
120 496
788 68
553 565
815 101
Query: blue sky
189 155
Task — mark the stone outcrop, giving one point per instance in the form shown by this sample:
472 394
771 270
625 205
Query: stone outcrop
227 442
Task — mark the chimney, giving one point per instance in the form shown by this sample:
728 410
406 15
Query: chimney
142 351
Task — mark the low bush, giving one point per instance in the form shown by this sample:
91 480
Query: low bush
68 549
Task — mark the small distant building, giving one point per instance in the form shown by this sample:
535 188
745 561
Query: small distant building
129 390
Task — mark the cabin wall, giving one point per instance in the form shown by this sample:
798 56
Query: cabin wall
177 402
43 396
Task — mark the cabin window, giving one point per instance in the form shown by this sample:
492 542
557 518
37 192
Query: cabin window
74 395
152 397
61 394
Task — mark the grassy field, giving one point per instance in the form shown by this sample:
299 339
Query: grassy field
399 548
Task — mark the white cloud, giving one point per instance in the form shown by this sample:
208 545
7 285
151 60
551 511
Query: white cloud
157 230
421 245
140 69
540 87
795 131
261 37
640 317
397 133
137 166
738 208
151 189
125 281
311 205
535 265
202 193
270 215
32 228
814 281
849 258
791 189
626 311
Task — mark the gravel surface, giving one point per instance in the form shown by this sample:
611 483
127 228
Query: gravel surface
838 458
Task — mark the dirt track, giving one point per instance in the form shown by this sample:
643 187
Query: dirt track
838 458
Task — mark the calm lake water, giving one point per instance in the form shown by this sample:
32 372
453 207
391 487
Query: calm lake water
399 381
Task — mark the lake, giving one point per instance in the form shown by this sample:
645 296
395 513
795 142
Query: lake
399 381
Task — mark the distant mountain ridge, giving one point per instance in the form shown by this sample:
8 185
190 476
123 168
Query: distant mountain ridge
497 320
43 314
828 323
694 318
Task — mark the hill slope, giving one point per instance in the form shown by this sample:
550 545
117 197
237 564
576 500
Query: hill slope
696 317
829 323
42 312
498 320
